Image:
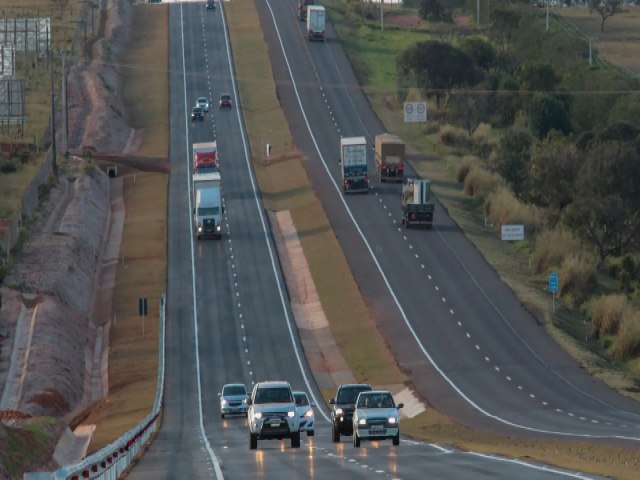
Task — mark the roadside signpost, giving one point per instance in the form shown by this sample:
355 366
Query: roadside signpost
553 288
142 310
511 233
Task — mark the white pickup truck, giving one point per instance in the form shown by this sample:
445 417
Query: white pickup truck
272 414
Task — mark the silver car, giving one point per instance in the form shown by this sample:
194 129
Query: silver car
376 417
233 400
203 103
304 408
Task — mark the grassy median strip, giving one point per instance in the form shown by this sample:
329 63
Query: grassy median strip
285 185
133 359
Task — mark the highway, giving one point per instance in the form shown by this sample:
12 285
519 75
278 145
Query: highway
228 317
471 347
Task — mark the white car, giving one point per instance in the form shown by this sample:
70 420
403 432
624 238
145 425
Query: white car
305 412
272 414
376 417
203 103
233 400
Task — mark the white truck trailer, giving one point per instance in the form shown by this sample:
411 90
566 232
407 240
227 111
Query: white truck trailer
315 22
353 162
207 205
417 209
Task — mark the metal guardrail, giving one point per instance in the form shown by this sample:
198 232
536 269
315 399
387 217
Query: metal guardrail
112 461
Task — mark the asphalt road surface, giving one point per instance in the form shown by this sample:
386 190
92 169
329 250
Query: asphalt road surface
228 315
468 343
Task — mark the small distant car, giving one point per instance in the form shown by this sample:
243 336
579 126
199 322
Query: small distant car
225 101
376 417
305 411
233 400
203 103
211 5
197 114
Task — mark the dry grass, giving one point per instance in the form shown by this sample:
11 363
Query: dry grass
607 312
143 249
285 186
626 344
502 207
451 136
480 182
577 275
552 246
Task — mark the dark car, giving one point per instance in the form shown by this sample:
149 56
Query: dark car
197 114
225 101
211 5
343 407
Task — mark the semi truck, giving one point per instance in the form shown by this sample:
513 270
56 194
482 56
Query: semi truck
417 209
302 8
353 162
315 22
205 157
207 205
390 154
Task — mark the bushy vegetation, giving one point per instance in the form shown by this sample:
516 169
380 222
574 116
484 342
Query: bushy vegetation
480 182
607 313
551 248
502 207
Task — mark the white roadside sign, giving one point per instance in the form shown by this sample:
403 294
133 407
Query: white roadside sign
415 112
512 232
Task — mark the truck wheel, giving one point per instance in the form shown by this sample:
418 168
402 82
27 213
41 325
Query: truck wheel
253 441
310 433
396 440
356 440
222 416
335 434
295 440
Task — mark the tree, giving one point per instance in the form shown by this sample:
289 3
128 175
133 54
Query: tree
434 10
606 207
606 9
437 67
514 159
505 23
467 109
554 166
481 51
548 113
538 77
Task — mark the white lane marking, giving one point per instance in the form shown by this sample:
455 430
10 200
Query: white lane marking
260 210
409 325
203 435
522 463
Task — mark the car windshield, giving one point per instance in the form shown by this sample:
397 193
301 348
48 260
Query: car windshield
301 399
375 400
349 394
234 390
197 110
202 100
225 97
273 395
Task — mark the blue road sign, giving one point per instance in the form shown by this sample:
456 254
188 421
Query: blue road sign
553 282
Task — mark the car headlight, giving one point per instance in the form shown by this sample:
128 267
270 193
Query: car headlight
218 227
392 420
362 421
257 415
199 228
291 414
224 402
244 400
338 411
309 413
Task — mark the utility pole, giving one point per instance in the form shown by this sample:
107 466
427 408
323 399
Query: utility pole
478 12
547 15
381 15
65 108
54 149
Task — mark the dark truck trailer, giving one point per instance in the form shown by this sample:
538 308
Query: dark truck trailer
302 8
390 156
417 210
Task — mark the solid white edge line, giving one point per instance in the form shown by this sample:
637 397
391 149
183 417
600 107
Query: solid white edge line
265 230
212 455
533 466
390 288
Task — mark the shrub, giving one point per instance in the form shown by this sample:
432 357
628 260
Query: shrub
463 170
551 247
483 132
607 313
454 137
577 276
626 344
8 166
502 207
480 182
